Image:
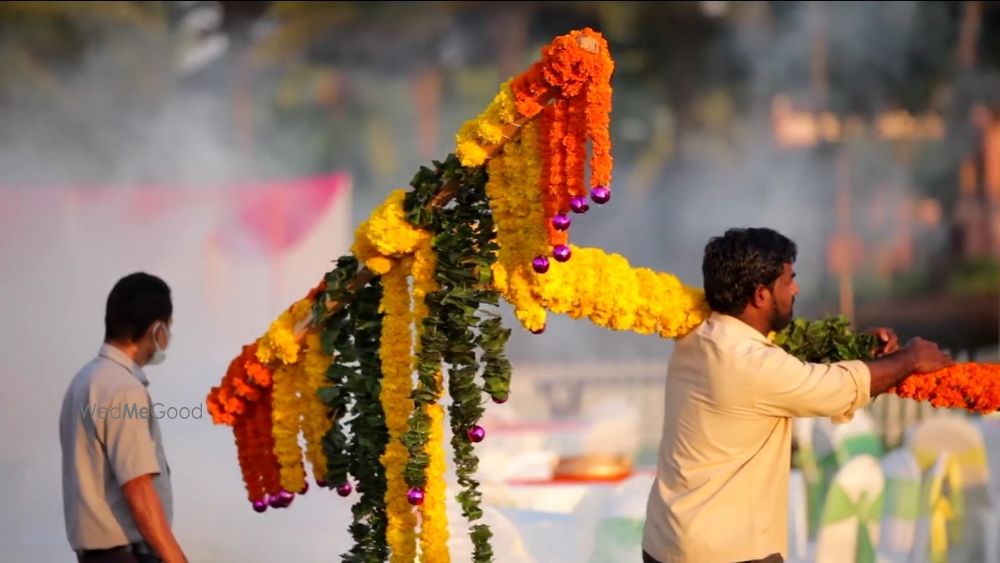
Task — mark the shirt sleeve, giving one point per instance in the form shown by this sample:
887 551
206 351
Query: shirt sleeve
787 386
127 440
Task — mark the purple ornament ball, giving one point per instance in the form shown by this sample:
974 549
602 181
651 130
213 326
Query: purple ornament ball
477 433
415 496
561 222
274 501
259 505
344 488
562 253
600 195
579 204
540 264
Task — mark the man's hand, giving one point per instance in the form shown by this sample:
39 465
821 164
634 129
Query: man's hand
147 510
887 339
926 356
919 356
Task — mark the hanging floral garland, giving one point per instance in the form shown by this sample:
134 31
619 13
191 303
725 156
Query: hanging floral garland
360 367
396 352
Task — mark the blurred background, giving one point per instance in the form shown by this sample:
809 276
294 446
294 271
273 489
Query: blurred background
233 147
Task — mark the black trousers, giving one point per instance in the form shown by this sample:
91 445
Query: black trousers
773 558
122 554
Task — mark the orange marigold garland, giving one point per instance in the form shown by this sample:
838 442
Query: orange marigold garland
246 454
598 117
255 451
577 69
575 146
242 384
971 386
553 180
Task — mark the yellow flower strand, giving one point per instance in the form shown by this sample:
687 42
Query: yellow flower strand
434 526
434 517
592 284
315 421
386 235
486 129
279 342
285 425
397 383
518 214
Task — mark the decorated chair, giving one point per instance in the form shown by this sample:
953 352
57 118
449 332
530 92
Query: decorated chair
902 506
852 514
798 518
853 438
808 463
930 542
966 480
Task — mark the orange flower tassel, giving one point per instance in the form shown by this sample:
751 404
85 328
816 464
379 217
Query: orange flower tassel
255 449
553 178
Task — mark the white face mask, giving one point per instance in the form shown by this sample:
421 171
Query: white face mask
161 353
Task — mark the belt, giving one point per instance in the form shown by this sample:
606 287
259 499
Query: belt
139 547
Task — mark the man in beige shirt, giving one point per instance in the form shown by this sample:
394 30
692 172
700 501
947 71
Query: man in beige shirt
721 490
117 499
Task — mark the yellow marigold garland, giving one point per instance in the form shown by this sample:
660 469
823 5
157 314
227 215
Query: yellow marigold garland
286 418
397 383
279 342
593 284
434 526
486 129
386 235
513 179
315 421
434 517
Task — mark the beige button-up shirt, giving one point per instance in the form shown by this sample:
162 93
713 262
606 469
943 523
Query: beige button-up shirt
721 489
109 434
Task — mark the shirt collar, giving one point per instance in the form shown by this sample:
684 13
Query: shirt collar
740 327
117 356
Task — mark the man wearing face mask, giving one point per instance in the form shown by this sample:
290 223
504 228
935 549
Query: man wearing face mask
117 498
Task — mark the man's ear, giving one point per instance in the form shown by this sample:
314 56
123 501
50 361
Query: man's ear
761 297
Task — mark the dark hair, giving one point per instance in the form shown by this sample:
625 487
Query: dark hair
736 263
134 304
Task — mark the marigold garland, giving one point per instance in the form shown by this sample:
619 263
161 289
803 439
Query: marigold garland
486 129
434 523
971 386
434 516
286 419
254 444
282 384
582 78
575 148
315 421
246 451
387 236
244 381
592 284
553 172
396 354
513 177
279 342
265 461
